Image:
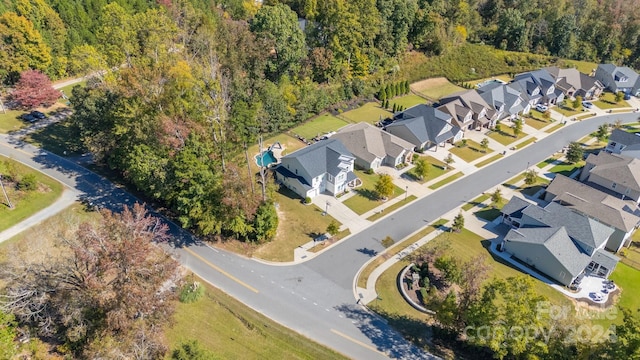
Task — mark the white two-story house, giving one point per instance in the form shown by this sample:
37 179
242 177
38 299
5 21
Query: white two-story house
326 166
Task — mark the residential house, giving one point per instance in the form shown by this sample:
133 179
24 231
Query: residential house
538 86
506 100
622 215
425 127
461 116
373 147
620 140
557 241
618 78
324 166
483 114
574 83
613 173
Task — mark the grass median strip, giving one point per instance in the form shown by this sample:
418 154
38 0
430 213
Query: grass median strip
364 274
444 182
554 128
389 209
586 116
489 160
525 143
475 202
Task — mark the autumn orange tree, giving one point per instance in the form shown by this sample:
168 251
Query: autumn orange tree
106 295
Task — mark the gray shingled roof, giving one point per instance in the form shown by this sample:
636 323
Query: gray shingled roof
515 206
558 245
579 227
424 123
606 259
611 210
368 142
325 156
620 169
572 77
458 112
619 72
623 137
497 94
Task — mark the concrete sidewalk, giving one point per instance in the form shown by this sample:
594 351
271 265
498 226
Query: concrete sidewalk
66 199
473 223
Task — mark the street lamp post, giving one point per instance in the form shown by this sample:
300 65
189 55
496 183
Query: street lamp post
406 192
326 209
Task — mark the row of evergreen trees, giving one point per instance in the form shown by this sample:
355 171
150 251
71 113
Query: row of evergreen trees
389 91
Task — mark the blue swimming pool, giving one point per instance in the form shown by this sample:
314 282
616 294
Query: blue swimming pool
265 158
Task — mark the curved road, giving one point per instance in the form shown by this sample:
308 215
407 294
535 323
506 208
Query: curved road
316 298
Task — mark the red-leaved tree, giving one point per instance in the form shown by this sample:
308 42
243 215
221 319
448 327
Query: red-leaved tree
34 89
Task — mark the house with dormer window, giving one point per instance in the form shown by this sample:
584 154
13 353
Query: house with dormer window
483 114
618 78
326 166
538 87
507 101
557 241
426 127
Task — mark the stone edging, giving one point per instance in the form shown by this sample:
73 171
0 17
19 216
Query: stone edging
406 296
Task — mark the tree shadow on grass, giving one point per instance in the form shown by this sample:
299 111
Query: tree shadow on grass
368 193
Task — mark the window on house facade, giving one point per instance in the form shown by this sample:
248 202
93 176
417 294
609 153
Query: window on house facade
330 177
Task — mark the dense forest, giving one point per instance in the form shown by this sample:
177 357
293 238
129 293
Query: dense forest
182 87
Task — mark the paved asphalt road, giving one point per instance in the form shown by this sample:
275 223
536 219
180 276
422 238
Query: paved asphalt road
316 298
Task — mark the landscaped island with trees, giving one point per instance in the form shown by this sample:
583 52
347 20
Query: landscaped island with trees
179 90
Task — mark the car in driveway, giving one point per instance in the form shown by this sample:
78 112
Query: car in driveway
627 96
38 115
29 118
587 104
542 108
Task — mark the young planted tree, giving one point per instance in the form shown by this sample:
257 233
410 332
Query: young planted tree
458 223
333 228
577 102
602 133
575 152
449 160
546 115
34 89
530 177
484 144
421 168
384 186
496 198
619 96
517 127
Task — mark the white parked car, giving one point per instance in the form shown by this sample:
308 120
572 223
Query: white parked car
542 108
587 104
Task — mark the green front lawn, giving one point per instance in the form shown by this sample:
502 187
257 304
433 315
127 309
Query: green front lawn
436 169
407 101
298 225
227 328
318 126
370 112
547 162
25 203
537 123
566 168
470 152
10 122
505 135
608 101
569 110
366 198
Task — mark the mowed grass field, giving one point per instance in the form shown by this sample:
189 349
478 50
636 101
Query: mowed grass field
25 203
407 101
9 121
370 112
318 126
435 88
